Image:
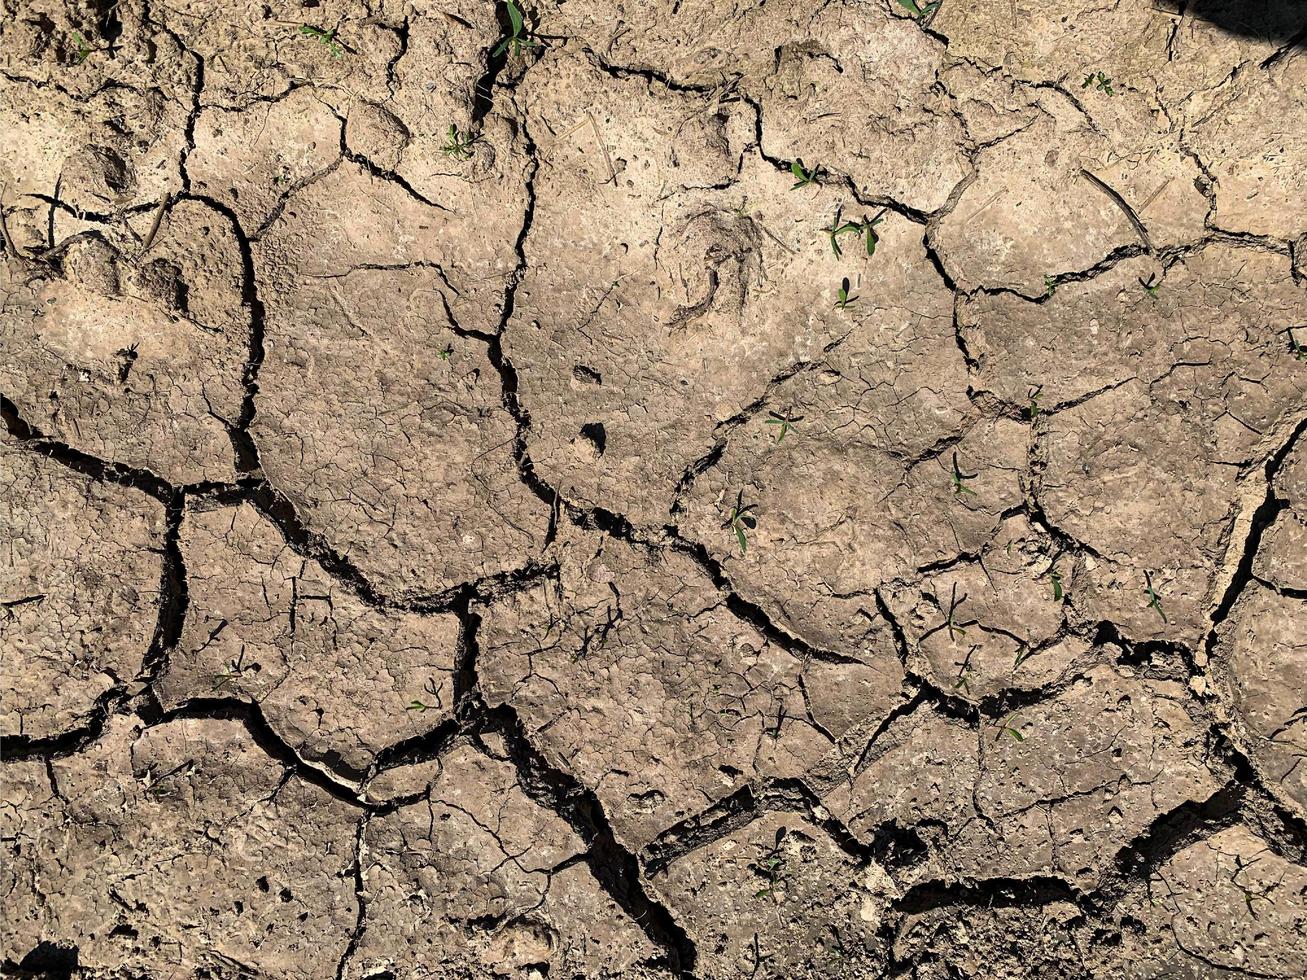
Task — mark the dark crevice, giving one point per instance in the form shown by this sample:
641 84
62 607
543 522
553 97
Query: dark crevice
613 866
360 896
1169 834
79 462
990 893
243 447
51 960
483 94
173 598
251 716
1262 518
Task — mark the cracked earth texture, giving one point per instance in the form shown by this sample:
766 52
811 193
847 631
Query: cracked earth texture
502 551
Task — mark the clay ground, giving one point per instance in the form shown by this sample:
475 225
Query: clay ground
657 489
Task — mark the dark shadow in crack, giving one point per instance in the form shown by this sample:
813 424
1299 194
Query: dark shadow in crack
1274 21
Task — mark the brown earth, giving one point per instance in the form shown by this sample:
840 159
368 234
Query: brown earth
452 525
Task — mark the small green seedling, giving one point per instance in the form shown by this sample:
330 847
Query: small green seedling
740 519
1249 896
955 629
917 10
1154 600
444 354
1298 351
836 229
784 422
1006 727
432 688
869 231
845 300
1033 397
1099 81
1151 286
326 38
83 48
519 38
964 669
960 478
840 952
235 669
1055 577
866 227
458 145
1050 285
771 866
802 176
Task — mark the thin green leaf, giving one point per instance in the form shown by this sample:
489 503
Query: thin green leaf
515 17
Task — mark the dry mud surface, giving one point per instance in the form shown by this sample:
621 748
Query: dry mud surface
452 525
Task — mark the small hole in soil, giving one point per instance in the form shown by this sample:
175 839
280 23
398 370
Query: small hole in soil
594 432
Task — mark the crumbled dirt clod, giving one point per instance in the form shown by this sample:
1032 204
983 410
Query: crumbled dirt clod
653 490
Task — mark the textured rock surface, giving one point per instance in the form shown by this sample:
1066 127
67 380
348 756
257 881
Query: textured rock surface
701 490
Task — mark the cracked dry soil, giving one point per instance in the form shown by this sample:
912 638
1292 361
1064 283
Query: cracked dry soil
453 525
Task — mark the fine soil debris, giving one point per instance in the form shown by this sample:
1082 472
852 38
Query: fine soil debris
669 489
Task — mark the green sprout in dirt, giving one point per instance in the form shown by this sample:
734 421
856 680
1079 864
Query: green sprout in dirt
1154 600
1151 286
1050 285
802 176
432 688
866 227
1099 81
326 38
458 145
740 519
1249 896
1033 397
83 48
964 670
444 354
917 10
836 229
770 866
234 670
840 952
959 479
785 423
1008 727
845 300
1298 351
955 629
518 37
868 230
1055 577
